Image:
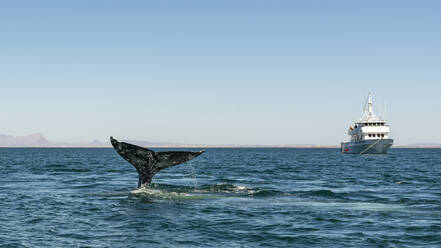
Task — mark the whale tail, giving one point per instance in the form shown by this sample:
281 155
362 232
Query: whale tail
148 162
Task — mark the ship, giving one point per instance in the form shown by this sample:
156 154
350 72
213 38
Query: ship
369 135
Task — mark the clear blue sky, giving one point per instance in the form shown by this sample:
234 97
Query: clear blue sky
218 72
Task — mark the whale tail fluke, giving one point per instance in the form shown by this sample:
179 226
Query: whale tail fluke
172 158
148 162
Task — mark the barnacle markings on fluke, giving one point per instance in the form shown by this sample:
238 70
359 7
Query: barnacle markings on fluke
148 162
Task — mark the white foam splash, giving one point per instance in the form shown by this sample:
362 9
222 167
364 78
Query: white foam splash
162 194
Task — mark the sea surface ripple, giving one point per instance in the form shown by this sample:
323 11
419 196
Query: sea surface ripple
60 197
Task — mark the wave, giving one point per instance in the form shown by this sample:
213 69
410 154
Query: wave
237 190
165 191
162 194
322 193
359 206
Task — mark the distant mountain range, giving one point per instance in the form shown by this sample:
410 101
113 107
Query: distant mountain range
421 145
38 140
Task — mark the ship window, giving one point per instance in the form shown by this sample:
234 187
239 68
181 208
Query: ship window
382 135
370 135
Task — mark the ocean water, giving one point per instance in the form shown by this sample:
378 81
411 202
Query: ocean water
224 198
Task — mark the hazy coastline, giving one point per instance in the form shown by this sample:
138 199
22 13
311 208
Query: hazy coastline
37 140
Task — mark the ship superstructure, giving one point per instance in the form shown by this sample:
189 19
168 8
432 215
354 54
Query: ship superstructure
370 134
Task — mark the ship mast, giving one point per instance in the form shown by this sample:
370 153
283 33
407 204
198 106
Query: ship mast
370 109
369 114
